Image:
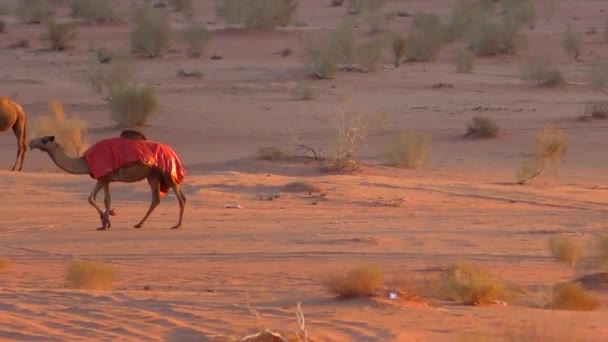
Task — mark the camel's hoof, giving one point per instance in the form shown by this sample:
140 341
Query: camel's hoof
137 226
112 212
101 228
176 227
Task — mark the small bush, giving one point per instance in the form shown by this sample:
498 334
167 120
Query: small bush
596 110
472 285
94 10
521 12
273 153
350 134
102 77
564 249
425 38
362 281
83 274
409 149
368 55
550 149
152 34
464 15
482 128
131 105
571 42
599 75
343 42
266 14
490 36
303 92
69 132
372 12
60 36
399 50
197 37
571 296
34 11
5 265
319 55
463 60
541 71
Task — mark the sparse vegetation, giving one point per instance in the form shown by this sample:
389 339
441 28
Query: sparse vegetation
102 77
368 55
132 105
251 14
464 15
541 71
372 12
184 6
599 75
303 91
350 134
596 110
60 36
398 46
482 128
5 264
571 42
196 36
491 36
319 55
472 285
362 281
425 39
409 149
572 296
463 60
564 249
273 153
91 275
152 34
33 11
69 132
99 11
551 147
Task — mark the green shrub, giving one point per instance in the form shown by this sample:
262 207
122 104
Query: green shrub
265 14
571 42
152 34
60 36
319 55
490 36
541 71
425 38
197 37
131 105
465 14
93 10
368 55
409 149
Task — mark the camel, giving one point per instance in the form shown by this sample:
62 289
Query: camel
13 116
159 181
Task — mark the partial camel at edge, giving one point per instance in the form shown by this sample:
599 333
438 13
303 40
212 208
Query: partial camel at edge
13 116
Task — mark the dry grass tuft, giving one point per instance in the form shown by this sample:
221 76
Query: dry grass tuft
5 265
541 71
152 34
572 296
551 147
362 281
398 47
595 110
426 38
68 131
482 128
565 250
60 36
472 285
196 36
132 105
350 134
302 186
91 275
463 60
409 149
319 55
103 77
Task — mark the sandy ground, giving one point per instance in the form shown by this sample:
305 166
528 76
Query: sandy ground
204 279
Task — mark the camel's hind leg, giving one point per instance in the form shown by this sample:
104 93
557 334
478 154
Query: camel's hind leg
181 198
105 223
154 181
19 131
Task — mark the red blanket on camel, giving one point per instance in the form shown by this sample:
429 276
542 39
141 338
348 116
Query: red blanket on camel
110 154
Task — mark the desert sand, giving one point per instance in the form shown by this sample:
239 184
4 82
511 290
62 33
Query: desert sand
205 280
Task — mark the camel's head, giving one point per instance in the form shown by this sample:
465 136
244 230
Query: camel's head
43 143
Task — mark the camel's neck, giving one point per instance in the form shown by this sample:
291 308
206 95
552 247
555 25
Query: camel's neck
68 164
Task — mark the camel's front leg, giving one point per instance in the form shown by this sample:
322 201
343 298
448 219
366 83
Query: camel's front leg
104 222
155 187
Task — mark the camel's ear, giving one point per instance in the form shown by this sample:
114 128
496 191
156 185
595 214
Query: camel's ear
52 138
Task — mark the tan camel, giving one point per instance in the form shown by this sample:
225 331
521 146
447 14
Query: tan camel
13 116
129 173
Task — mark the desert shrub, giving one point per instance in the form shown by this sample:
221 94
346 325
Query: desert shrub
5 264
69 132
131 104
564 249
372 13
596 110
60 36
343 42
303 92
319 55
571 296
482 127
362 281
551 146
541 71
521 12
472 285
350 134
398 47
465 14
409 149
463 60
33 11
265 14
93 10
368 54
102 77
571 42
84 274
492 36
425 38
184 6
599 75
196 36
152 34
